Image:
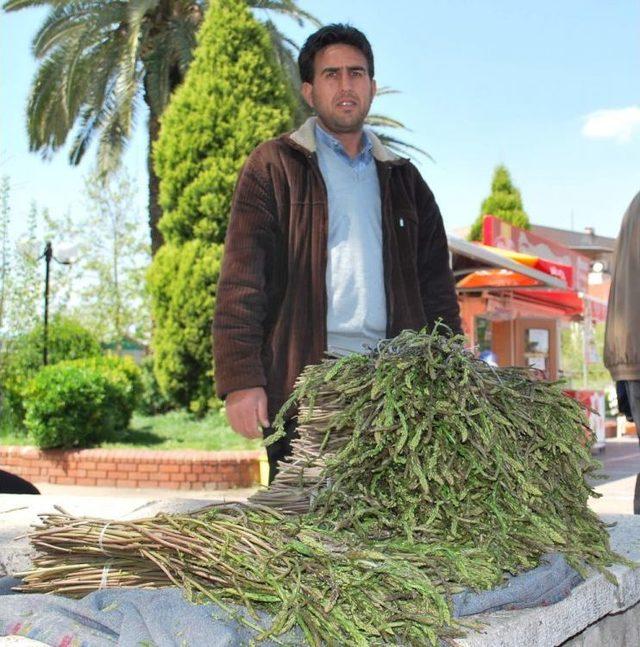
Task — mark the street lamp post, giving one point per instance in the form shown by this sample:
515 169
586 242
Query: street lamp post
48 255
67 258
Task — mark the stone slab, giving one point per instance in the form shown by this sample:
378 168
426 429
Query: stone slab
588 603
591 601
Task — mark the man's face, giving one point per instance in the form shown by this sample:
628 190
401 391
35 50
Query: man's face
341 92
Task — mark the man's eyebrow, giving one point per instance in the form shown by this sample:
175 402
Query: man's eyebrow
351 68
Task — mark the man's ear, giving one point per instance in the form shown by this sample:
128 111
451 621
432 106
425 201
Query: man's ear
306 89
374 88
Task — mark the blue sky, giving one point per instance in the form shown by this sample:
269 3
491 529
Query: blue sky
551 89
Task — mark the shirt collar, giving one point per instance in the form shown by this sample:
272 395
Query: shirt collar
324 138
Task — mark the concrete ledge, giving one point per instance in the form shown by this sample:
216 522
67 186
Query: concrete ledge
134 468
597 613
596 598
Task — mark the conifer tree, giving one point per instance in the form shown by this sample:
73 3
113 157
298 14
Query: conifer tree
234 96
504 202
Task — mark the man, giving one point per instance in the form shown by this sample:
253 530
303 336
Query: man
622 335
334 243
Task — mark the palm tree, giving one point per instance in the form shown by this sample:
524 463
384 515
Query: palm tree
100 59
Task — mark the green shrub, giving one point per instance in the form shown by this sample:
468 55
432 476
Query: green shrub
120 370
67 340
152 400
81 402
67 406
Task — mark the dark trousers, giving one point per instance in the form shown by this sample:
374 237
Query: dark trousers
632 387
12 484
281 448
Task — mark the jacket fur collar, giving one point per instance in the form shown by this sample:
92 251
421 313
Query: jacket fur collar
305 137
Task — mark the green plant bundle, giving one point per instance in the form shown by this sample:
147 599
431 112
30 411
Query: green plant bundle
423 439
419 471
334 588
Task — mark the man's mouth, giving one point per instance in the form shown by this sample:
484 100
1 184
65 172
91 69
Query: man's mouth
347 103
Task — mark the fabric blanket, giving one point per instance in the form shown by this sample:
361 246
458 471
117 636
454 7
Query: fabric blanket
164 618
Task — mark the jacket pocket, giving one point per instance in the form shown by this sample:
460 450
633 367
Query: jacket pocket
406 226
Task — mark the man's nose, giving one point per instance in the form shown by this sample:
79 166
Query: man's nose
346 82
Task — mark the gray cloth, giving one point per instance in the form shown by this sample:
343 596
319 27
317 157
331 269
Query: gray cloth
549 583
164 618
126 617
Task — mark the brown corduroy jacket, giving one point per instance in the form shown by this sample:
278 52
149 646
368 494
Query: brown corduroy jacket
271 302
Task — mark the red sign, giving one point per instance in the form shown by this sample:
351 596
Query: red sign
501 234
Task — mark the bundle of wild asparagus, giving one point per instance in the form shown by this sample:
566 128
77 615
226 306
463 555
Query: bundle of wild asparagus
419 470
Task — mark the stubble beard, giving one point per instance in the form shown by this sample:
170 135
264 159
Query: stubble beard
348 123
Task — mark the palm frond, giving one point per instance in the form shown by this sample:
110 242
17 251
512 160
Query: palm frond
96 21
288 8
378 121
47 121
85 132
384 90
103 63
384 121
118 118
399 146
14 5
284 49
55 30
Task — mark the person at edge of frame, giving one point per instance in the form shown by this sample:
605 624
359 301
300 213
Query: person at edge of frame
334 243
622 331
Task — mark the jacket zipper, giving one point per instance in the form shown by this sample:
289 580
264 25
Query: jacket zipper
325 242
387 224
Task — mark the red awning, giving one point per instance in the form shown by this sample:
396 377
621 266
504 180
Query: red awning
571 303
482 279
530 277
508 278
553 268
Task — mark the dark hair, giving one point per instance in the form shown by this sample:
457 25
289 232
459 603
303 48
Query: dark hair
335 34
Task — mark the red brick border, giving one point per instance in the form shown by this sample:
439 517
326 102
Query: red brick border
183 469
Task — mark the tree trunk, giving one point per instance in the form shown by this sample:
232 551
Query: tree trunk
155 212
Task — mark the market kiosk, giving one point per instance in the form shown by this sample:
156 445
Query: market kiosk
516 289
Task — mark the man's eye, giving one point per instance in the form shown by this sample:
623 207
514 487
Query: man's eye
356 72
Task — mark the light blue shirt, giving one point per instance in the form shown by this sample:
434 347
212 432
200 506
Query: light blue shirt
356 300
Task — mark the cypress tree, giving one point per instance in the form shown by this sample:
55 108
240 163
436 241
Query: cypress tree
234 96
504 202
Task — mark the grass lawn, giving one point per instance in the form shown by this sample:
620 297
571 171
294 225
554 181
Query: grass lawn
173 430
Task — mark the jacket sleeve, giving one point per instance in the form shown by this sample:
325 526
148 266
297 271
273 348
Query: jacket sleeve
241 299
437 285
